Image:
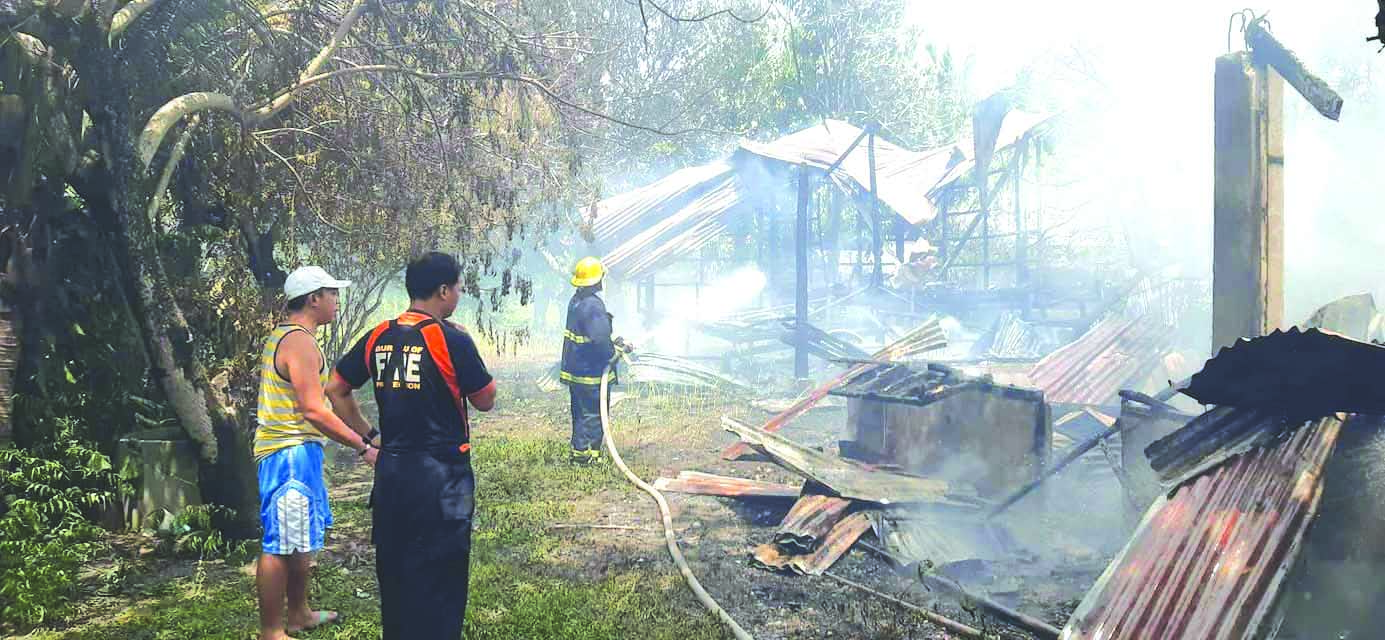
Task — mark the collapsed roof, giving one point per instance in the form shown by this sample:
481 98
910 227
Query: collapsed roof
640 230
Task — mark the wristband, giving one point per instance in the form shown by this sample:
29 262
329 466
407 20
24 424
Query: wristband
362 452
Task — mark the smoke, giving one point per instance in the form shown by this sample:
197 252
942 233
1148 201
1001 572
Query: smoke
682 308
1132 165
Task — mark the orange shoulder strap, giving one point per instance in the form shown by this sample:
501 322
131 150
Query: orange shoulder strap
370 344
442 358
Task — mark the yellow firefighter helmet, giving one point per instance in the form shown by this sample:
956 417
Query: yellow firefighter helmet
588 272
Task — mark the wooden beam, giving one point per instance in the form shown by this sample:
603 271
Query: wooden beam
878 276
834 234
971 230
1021 236
1265 50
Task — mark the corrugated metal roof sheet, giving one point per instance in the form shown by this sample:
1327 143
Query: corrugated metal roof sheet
903 178
1211 438
669 218
1115 353
920 386
1207 561
810 518
1295 372
1012 338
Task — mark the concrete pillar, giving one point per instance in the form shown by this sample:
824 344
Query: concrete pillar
1248 201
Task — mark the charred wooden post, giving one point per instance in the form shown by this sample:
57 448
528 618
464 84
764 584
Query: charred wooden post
832 242
1021 237
878 276
800 351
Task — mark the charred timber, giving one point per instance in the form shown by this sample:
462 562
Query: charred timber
1265 49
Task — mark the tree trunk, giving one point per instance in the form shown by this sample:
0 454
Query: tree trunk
227 473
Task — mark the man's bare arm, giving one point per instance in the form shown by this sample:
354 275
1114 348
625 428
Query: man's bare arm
345 406
298 357
483 400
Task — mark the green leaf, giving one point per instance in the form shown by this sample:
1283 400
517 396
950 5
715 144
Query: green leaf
71 379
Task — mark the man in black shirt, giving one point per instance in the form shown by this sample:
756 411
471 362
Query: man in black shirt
425 371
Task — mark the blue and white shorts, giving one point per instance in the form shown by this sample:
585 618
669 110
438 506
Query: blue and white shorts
293 500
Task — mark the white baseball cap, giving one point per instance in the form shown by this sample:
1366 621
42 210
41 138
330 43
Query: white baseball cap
305 280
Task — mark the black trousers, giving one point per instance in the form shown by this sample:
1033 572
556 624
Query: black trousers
586 416
423 571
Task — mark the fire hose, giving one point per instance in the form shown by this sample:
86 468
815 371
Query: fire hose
669 538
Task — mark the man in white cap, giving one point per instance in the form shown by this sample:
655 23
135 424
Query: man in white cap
294 422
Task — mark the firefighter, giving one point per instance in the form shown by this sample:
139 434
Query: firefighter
587 349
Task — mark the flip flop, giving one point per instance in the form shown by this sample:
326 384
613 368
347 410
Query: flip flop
324 618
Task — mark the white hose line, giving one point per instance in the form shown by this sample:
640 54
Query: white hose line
669 538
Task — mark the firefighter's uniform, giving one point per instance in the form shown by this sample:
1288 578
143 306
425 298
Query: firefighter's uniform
423 370
587 348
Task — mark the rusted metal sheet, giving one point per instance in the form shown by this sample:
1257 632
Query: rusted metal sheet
770 557
713 485
1207 561
1167 301
1114 354
849 479
1011 338
1300 373
808 521
813 536
832 546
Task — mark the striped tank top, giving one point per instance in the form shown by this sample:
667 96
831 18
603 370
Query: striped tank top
281 423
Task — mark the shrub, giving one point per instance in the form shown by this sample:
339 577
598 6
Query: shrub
47 496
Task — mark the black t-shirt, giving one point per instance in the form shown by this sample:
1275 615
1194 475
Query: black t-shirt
419 408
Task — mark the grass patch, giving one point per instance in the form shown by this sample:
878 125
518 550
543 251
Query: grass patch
524 484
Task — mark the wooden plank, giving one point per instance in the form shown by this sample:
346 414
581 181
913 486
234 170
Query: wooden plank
846 478
1268 51
805 195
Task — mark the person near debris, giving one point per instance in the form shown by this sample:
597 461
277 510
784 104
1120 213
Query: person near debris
425 371
293 424
587 349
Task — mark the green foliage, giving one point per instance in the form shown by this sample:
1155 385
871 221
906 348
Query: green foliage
193 533
47 495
